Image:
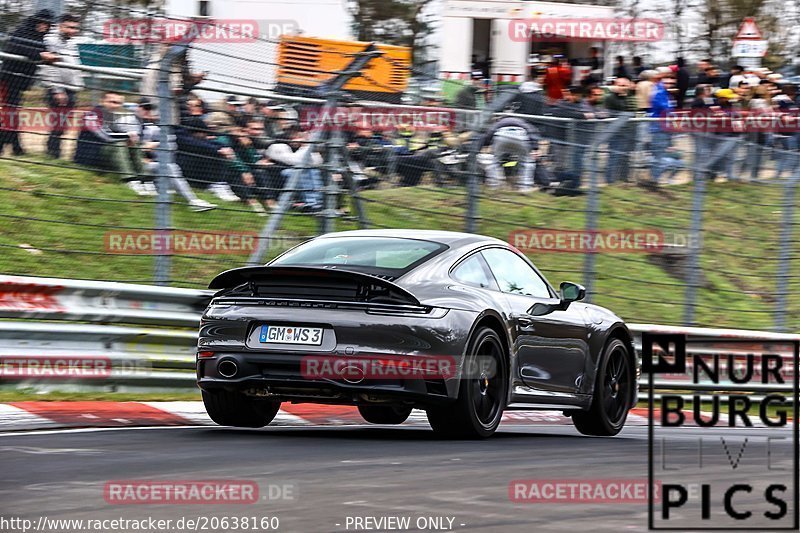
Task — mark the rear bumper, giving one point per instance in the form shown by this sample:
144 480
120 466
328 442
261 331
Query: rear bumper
280 376
229 333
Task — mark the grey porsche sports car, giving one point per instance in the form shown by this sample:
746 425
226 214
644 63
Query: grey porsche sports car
460 325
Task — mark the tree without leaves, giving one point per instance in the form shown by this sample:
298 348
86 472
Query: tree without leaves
399 22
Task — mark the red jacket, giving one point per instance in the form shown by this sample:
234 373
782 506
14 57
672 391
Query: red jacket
555 80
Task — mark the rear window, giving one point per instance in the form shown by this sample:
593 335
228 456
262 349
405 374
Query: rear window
380 255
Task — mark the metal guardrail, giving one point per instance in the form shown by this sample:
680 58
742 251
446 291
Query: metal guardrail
51 317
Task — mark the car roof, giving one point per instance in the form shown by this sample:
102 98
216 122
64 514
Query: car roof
453 239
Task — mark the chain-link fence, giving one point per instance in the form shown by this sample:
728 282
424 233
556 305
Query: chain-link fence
168 162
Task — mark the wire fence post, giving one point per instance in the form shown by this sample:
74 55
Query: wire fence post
473 190
785 251
331 190
593 201
693 273
592 215
166 160
726 149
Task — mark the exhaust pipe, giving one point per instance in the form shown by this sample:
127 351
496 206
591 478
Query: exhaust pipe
227 368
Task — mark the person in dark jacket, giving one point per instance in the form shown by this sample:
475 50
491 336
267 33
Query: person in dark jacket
16 76
619 101
467 98
620 70
205 161
638 67
681 82
108 142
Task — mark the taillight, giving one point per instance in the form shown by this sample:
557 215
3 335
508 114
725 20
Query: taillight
205 355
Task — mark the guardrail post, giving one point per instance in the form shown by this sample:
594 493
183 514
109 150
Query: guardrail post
785 252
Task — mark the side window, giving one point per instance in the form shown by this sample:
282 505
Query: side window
471 272
514 275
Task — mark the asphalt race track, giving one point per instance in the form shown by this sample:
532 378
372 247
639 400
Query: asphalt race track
352 471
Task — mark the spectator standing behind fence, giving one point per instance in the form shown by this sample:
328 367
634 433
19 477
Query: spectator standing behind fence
644 91
565 135
62 83
620 146
737 77
620 70
16 76
660 106
638 67
467 97
181 81
703 141
701 78
727 103
108 142
681 82
785 141
557 78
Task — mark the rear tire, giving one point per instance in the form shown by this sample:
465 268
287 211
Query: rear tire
384 414
482 393
228 408
613 391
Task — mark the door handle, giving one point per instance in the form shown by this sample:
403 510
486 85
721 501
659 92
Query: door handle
525 322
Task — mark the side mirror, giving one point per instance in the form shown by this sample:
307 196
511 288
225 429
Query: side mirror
572 292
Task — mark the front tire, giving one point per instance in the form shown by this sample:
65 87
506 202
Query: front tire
613 394
384 414
482 393
228 408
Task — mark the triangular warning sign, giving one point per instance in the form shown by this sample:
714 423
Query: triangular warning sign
748 30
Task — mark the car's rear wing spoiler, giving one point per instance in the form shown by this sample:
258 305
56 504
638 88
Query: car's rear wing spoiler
318 282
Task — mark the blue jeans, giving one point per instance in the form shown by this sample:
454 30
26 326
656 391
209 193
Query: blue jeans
702 149
726 163
618 163
786 161
310 185
660 142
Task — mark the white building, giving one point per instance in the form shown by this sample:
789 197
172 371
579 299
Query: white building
251 67
480 29
466 30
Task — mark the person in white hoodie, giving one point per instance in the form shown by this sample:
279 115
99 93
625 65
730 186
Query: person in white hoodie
62 83
293 153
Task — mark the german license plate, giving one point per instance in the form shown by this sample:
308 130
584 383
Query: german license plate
290 335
